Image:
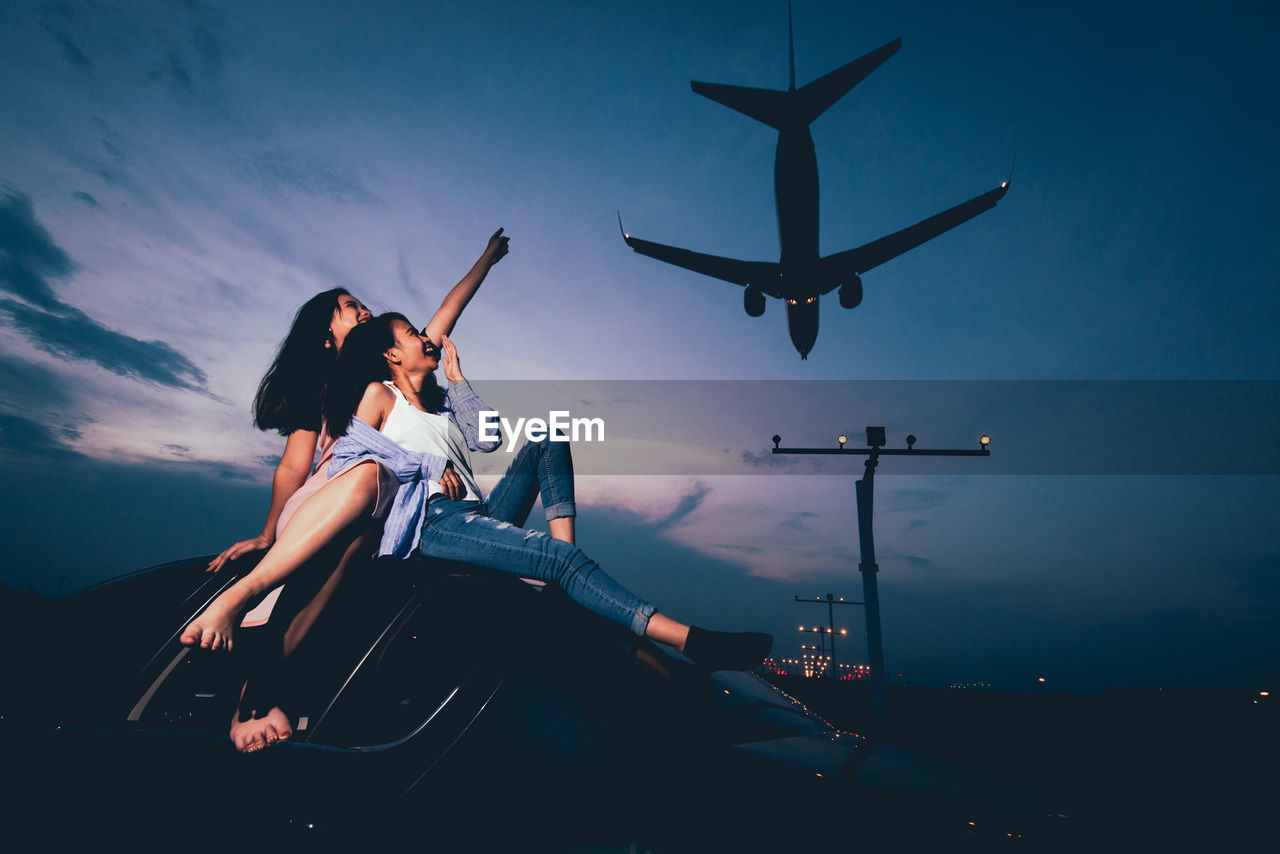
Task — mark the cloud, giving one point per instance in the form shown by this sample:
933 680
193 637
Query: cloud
21 437
208 49
796 521
73 54
285 172
172 71
28 255
736 547
25 385
685 506
903 500
72 333
915 524
759 459
181 451
86 198
402 270
28 259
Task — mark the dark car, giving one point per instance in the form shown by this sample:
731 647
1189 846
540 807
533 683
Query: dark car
447 707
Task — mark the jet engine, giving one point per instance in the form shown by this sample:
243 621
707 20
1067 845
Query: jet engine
851 292
753 301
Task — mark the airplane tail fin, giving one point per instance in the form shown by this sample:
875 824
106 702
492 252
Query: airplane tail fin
791 50
799 106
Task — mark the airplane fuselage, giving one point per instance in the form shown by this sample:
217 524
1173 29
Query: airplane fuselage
795 191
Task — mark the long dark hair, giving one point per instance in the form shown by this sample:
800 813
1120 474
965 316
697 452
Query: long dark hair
289 395
360 363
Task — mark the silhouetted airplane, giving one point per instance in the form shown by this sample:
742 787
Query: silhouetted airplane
800 276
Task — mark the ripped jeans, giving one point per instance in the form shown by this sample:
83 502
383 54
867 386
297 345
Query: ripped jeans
545 467
469 532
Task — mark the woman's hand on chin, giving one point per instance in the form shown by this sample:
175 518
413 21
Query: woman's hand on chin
257 544
449 361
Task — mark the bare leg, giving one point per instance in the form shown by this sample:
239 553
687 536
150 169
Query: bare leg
253 727
562 528
306 618
337 506
666 630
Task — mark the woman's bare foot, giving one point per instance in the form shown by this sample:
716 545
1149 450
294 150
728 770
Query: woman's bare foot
212 629
258 732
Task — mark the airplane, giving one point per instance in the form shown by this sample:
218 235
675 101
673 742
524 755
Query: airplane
801 276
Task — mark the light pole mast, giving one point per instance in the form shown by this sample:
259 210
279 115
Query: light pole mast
865 492
831 603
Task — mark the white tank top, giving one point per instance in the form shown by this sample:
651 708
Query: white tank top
425 432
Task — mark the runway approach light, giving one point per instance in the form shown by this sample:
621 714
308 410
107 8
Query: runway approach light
842 438
984 440
875 437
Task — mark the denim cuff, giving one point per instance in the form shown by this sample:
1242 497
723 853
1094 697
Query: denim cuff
563 510
640 622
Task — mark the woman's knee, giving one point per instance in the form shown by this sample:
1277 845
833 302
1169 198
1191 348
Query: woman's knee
571 561
555 452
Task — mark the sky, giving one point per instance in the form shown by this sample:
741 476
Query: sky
177 178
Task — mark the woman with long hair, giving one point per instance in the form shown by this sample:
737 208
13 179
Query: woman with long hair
288 400
384 404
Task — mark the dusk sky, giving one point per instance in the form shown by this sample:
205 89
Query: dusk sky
177 178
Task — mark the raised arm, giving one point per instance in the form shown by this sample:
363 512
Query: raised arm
442 322
291 472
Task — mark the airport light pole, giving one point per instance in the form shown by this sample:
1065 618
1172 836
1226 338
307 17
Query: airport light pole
831 602
865 492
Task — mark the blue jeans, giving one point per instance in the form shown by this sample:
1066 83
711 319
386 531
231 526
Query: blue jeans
465 532
545 467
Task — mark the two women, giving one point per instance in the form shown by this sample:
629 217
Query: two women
288 401
385 405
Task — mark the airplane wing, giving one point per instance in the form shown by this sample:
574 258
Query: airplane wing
762 274
876 252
